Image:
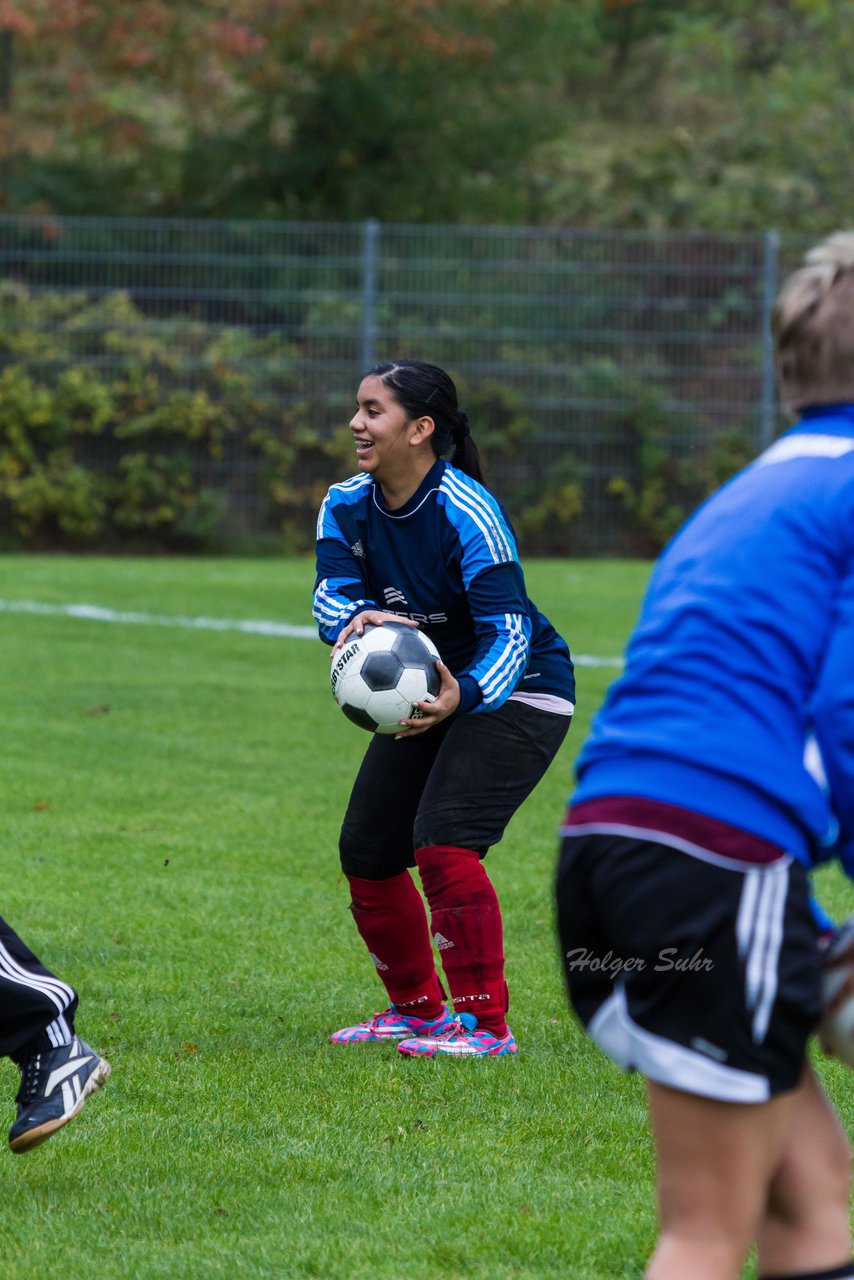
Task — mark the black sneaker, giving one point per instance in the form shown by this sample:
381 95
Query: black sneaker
54 1085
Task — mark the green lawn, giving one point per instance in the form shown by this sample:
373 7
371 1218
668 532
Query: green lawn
171 800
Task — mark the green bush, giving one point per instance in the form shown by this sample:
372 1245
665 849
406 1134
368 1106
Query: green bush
667 463
122 430
117 429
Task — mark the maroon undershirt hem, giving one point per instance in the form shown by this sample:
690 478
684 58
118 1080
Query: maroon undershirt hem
659 818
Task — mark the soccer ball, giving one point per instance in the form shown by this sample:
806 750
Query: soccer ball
836 1030
377 676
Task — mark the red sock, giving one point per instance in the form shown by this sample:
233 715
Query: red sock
390 916
466 922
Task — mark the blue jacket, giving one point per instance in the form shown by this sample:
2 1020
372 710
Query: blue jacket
447 559
745 644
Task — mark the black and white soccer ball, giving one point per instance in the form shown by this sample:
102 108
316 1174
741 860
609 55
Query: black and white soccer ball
378 675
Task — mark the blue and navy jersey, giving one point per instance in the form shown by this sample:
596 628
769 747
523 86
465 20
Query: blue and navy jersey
745 646
447 559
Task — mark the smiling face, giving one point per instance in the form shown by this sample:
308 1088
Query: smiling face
390 445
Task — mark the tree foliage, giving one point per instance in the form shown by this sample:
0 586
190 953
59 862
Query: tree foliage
734 116
720 114
399 109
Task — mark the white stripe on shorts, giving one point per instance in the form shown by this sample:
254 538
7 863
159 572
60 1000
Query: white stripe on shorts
759 929
635 1049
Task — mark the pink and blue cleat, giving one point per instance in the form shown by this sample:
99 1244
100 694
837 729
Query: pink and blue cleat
390 1025
458 1038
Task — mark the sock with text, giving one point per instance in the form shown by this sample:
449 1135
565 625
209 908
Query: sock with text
466 922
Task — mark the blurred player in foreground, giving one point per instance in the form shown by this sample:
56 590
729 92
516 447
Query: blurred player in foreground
414 537
691 947
58 1070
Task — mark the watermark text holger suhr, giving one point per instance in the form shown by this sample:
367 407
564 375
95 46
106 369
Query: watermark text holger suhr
668 960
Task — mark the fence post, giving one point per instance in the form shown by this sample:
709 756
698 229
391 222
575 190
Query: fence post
770 274
370 243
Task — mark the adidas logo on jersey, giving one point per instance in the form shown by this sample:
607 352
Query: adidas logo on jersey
442 943
357 549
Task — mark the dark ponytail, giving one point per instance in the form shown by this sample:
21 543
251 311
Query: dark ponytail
425 390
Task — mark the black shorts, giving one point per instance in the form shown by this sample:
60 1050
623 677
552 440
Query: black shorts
457 784
702 977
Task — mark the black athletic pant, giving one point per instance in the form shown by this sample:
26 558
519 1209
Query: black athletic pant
31 997
457 784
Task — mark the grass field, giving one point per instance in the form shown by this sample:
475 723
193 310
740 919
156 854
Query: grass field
170 808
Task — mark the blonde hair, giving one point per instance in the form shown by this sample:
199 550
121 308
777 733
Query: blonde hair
813 326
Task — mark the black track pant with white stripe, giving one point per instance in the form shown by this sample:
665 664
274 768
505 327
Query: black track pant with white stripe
32 1000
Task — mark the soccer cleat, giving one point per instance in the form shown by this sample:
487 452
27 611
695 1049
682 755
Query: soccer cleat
389 1025
54 1086
459 1039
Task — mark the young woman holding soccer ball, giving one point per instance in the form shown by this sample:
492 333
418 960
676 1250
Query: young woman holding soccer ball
414 537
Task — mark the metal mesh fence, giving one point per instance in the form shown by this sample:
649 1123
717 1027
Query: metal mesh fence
579 355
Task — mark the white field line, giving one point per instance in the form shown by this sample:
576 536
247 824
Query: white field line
288 630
